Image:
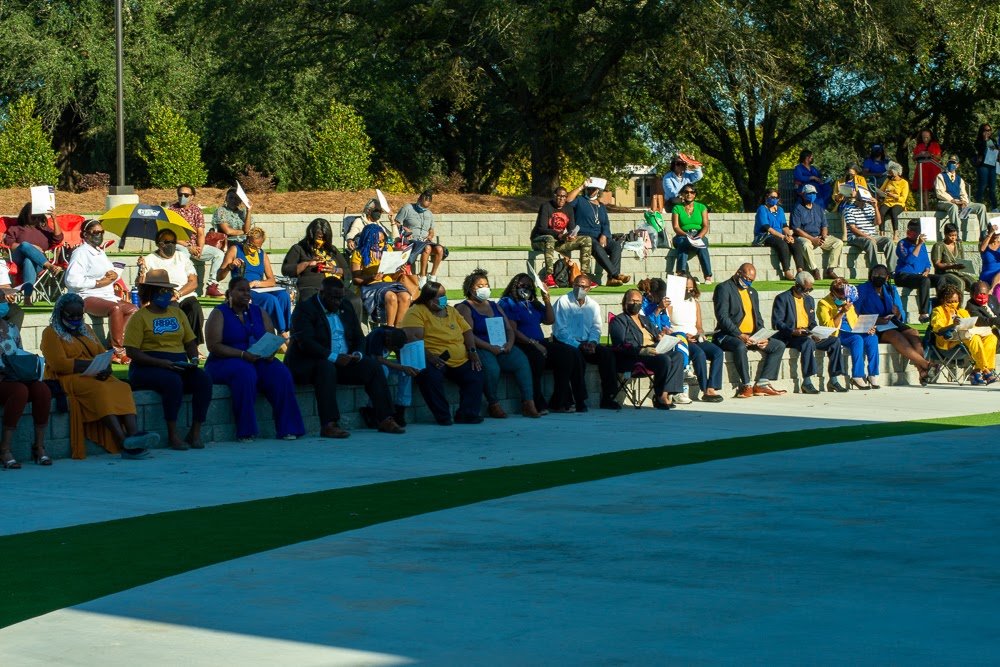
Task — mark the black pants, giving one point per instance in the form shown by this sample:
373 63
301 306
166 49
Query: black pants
668 369
782 249
772 357
470 390
923 285
807 354
325 376
539 362
610 258
191 307
605 359
893 215
569 386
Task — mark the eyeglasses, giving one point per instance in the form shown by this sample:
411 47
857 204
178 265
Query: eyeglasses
687 192
174 242
185 194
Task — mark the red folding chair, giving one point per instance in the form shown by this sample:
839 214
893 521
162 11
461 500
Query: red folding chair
48 284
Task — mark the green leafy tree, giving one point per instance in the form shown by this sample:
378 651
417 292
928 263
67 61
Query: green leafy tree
341 154
26 155
172 153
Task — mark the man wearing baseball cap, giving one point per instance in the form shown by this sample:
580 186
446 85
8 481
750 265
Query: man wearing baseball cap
812 233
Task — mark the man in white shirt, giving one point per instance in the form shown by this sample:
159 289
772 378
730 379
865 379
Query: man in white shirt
953 199
92 275
576 336
181 271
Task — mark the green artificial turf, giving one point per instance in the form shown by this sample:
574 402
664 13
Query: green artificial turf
68 566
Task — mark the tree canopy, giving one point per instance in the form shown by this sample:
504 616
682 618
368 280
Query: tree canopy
487 92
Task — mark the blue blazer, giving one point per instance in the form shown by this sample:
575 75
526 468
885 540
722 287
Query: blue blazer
784 316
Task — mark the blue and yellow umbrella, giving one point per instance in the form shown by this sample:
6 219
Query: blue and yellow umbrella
144 221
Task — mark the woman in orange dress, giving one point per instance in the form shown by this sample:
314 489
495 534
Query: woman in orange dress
101 406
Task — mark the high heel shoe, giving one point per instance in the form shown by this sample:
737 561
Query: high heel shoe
859 383
40 459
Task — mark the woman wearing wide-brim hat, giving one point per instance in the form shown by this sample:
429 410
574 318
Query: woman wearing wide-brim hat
164 352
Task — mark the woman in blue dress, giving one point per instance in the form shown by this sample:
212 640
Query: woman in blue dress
232 328
248 260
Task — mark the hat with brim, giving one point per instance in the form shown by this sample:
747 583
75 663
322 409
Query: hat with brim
809 190
158 278
953 158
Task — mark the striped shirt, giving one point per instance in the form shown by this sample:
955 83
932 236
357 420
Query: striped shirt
862 218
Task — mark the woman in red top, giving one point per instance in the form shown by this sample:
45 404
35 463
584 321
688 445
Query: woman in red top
927 154
29 240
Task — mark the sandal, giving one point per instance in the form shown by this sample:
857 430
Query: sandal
40 459
9 464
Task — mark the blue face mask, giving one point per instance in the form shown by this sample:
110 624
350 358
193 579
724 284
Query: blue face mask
4 308
443 302
71 324
163 299
746 282
952 167
772 201
839 302
811 197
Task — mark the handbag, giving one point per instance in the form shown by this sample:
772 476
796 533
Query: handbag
25 367
216 239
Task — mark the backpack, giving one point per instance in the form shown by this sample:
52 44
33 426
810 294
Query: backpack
565 271
654 219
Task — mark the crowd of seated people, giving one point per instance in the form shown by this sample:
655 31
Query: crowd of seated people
474 342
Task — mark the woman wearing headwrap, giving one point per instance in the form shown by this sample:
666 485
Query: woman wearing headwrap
101 406
386 298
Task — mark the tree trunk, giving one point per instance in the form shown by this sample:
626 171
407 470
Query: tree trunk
546 160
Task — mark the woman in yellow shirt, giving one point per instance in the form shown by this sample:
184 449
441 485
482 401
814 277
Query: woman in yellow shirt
851 178
386 298
982 346
896 191
836 310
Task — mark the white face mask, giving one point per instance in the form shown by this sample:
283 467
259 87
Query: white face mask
580 293
482 293
184 199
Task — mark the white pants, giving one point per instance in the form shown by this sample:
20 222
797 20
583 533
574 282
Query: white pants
211 257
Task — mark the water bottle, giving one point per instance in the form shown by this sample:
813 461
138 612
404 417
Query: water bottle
134 295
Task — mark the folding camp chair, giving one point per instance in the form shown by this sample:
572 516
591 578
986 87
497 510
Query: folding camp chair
48 284
630 381
954 363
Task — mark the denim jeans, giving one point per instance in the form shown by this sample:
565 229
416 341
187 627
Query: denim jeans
30 260
683 245
986 183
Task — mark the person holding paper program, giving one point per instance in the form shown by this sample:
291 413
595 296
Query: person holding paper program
591 217
101 407
28 241
685 318
15 396
690 222
494 338
633 338
164 352
737 317
232 218
232 328
953 199
948 257
385 297
945 317
836 310
249 260
913 267
793 317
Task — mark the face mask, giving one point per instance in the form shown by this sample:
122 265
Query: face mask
772 201
71 324
981 299
579 293
418 208
879 281
374 215
184 199
594 196
4 309
482 294
443 302
952 167
839 302
689 294
746 282
169 250
633 308
163 299
912 235
524 294
96 239
811 197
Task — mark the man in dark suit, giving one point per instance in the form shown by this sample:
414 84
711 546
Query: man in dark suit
793 315
326 350
737 316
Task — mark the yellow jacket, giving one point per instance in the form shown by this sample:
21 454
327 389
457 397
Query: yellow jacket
826 314
896 192
942 318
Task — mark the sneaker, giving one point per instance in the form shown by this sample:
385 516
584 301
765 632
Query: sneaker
550 281
991 377
214 291
681 399
422 281
689 373
978 379
432 279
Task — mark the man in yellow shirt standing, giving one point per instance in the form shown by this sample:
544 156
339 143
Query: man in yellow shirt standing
737 317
